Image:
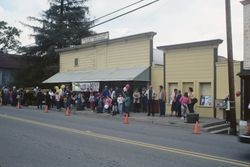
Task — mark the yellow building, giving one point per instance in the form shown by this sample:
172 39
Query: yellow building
222 89
112 62
197 65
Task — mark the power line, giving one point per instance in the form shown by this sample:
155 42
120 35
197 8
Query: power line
123 14
118 10
118 15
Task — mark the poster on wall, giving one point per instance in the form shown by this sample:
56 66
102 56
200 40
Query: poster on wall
206 101
86 86
220 103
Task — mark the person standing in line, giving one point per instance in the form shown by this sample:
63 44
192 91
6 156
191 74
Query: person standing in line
92 101
178 104
39 99
14 96
173 102
136 100
144 99
127 103
184 100
114 101
58 98
47 100
52 98
150 97
120 101
10 96
162 100
191 97
5 96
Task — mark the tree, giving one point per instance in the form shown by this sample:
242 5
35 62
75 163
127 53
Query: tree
62 25
8 37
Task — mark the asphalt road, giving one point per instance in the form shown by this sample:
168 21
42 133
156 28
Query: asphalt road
31 138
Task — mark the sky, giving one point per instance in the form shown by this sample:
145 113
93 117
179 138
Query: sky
174 21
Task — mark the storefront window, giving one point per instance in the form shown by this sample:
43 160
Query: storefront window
205 94
186 86
76 61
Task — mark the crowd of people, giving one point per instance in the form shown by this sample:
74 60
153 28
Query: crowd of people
13 96
181 105
111 100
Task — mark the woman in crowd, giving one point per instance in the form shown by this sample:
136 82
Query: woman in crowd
184 100
136 100
120 101
127 102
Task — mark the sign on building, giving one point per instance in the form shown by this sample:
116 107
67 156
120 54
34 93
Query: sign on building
86 87
98 37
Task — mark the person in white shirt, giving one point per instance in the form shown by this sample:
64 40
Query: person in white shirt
151 95
120 101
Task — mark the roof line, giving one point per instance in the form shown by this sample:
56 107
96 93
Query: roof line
191 44
245 2
147 34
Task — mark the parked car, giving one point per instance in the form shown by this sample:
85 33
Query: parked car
244 131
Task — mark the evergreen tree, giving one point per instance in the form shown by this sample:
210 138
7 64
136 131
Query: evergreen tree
8 37
62 25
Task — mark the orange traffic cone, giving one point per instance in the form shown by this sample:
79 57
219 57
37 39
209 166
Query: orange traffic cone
125 119
68 112
46 110
18 106
197 128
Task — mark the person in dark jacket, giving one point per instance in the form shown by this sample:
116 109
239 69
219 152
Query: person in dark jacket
39 99
178 104
48 100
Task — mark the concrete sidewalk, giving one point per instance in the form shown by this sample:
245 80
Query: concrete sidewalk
142 117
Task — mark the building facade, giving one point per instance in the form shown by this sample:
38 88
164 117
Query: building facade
110 62
245 70
197 65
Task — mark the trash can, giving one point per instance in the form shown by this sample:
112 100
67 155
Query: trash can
192 117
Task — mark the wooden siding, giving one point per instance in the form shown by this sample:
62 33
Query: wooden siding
86 60
222 83
127 53
157 78
191 66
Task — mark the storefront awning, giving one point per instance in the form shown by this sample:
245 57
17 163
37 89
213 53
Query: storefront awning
244 73
114 74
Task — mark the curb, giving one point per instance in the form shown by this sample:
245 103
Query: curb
152 120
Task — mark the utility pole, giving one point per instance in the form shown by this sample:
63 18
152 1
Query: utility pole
230 69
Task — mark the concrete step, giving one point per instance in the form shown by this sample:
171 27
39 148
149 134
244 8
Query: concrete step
216 127
220 131
213 124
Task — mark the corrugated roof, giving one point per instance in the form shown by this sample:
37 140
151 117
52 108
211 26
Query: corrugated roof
191 44
114 74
